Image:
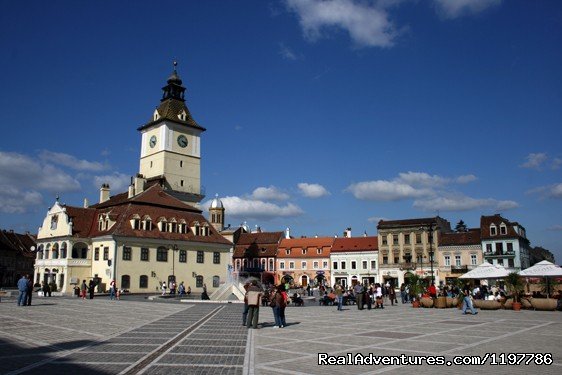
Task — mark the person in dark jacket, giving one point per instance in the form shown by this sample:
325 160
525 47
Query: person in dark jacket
29 291
91 286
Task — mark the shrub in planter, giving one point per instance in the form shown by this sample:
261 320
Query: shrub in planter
426 302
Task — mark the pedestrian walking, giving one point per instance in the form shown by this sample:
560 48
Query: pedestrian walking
163 288
358 291
338 290
467 302
22 288
392 295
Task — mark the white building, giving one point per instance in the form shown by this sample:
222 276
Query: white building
355 260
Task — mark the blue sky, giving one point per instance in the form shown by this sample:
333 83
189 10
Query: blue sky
321 115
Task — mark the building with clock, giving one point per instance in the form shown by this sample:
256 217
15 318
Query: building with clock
150 234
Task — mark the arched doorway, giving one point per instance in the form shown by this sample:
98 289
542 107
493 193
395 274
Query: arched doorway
304 281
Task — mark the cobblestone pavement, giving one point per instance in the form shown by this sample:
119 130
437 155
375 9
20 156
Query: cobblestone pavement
63 335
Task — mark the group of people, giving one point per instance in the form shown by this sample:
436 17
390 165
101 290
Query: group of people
175 288
277 298
25 288
87 289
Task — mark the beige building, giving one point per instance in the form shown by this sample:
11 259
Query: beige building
306 260
152 233
458 253
405 247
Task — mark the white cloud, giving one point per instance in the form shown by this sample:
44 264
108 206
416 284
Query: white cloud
556 163
534 161
22 172
466 179
456 8
71 162
312 190
269 193
287 53
382 190
462 203
422 179
255 209
13 200
555 228
118 182
550 191
368 25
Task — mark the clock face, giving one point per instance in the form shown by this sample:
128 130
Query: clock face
152 141
182 141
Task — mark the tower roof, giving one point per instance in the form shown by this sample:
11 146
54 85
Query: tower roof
216 202
172 105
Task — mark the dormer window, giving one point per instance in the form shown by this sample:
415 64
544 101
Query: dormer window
172 226
196 228
493 230
205 230
304 250
163 225
183 116
319 251
147 223
156 115
288 252
136 222
181 226
503 228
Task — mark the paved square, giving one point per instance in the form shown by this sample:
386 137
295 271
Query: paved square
64 335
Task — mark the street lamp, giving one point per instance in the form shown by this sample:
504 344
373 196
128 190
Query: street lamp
432 226
174 250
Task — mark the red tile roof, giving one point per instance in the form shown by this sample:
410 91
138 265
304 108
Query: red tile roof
472 237
310 244
260 238
487 221
255 245
355 244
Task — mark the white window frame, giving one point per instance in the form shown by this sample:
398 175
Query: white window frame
458 260
447 260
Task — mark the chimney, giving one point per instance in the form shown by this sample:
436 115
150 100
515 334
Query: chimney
347 233
104 193
287 233
86 203
131 191
139 184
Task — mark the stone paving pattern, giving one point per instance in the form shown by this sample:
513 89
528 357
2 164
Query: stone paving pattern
64 335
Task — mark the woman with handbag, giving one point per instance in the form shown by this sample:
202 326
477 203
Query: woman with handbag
278 303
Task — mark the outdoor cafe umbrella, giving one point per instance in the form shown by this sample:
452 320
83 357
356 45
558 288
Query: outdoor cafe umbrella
544 269
486 271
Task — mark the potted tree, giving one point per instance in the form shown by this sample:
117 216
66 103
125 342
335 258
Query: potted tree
515 285
415 289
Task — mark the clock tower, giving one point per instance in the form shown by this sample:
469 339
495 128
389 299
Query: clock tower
171 145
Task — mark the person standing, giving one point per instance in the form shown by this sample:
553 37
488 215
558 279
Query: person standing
392 295
112 289
278 304
358 291
245 312
83 289
29 291
22 288
91 286
163 288
432 291
339 296
254 295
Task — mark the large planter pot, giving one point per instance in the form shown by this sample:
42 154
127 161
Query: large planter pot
490 305
451 302
440 303
516 306
426 302
526 303
508 304
544 304
416 304
477 303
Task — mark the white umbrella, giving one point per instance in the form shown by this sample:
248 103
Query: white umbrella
486 271
544 269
